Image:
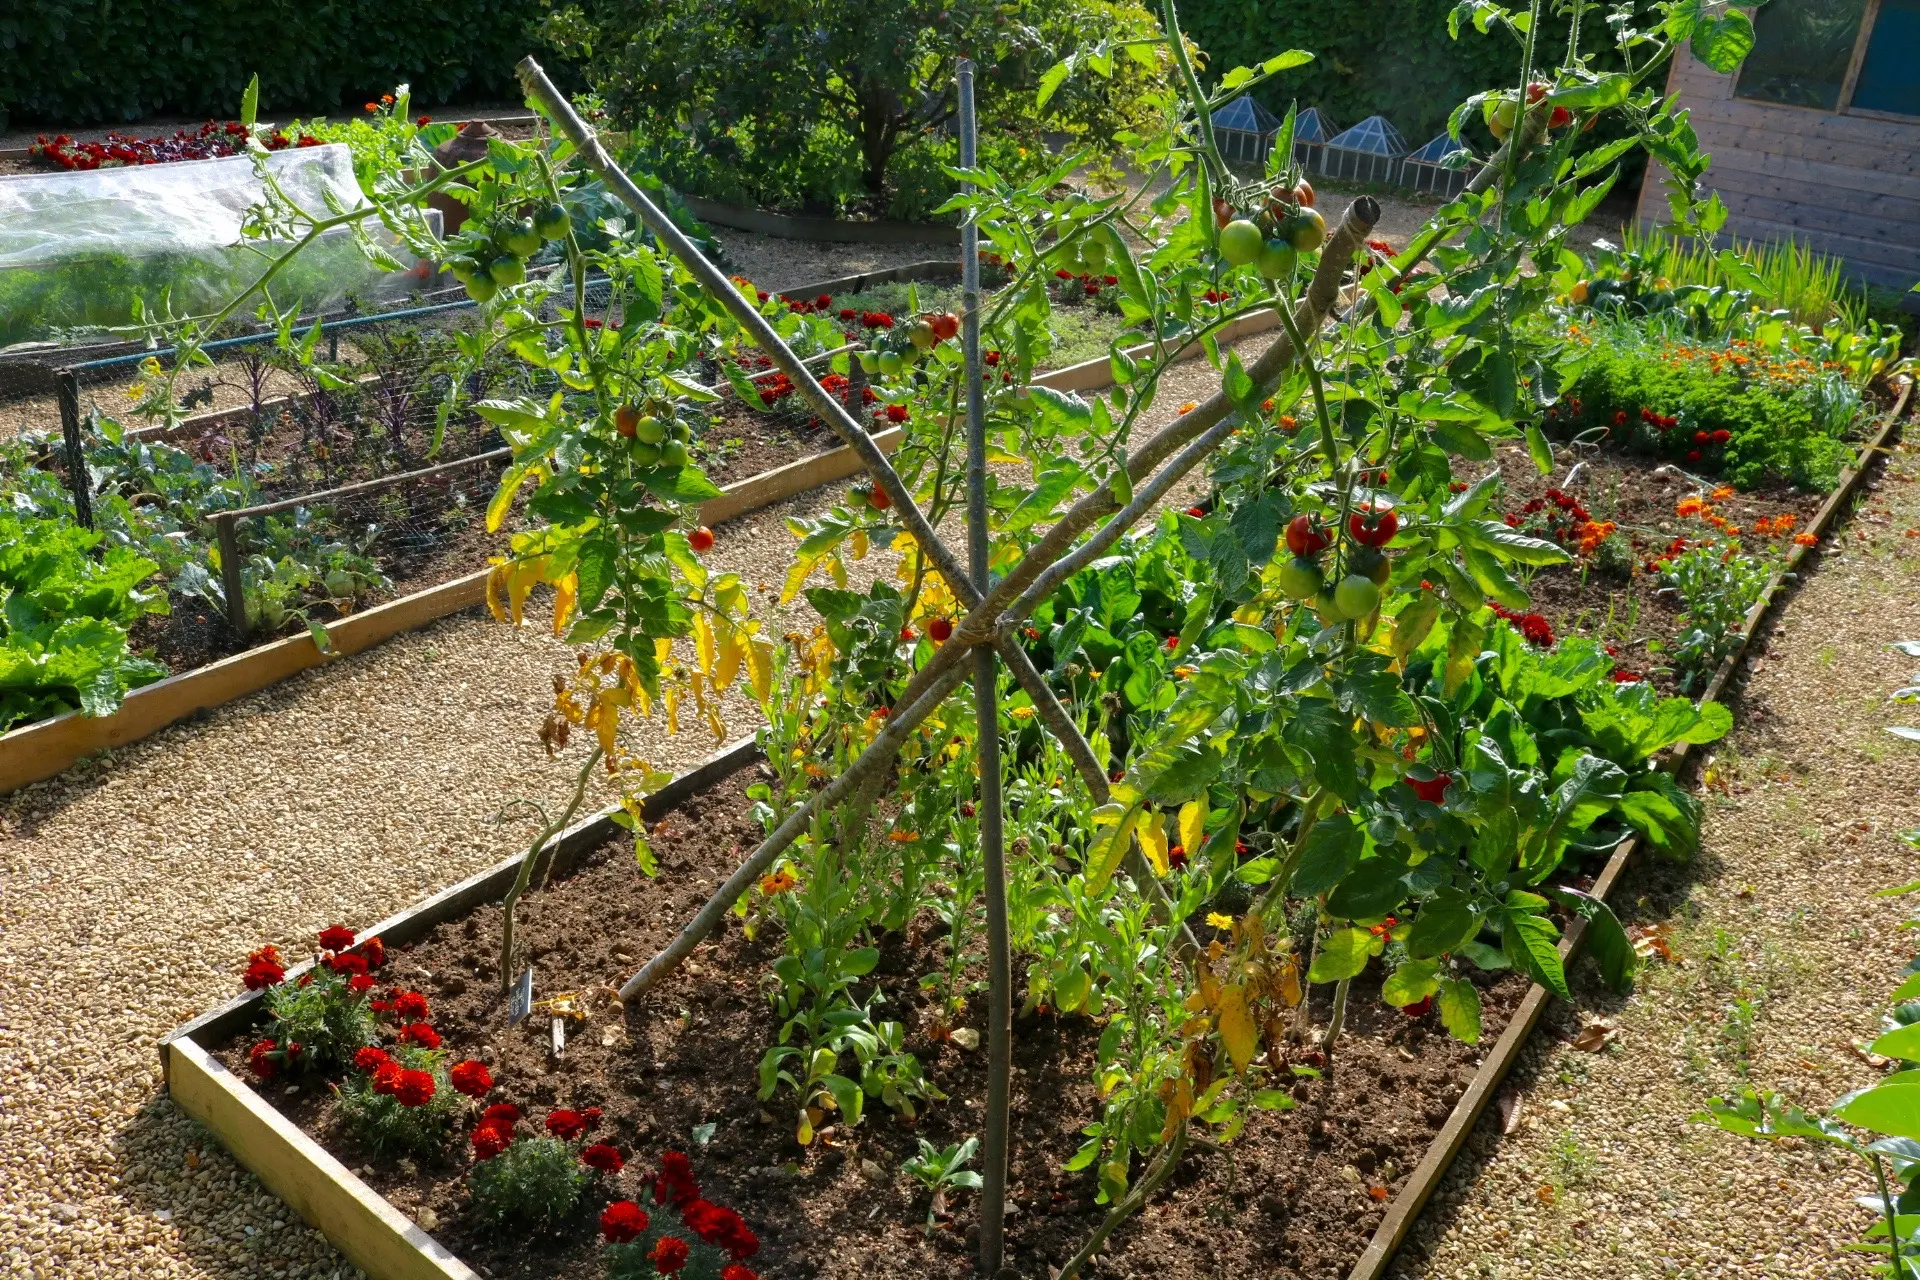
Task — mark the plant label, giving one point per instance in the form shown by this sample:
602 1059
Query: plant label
520 1004
559 1036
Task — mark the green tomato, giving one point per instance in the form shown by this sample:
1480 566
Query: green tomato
650 430
674 454
920 333
1241 242
869 361
646 455
521 239
1357 595
1093 252
891 363
1300 578
1500 115
1277 258
551 223
481 288
507 271
1327 605
462 268
1309 230
681 431
1371 563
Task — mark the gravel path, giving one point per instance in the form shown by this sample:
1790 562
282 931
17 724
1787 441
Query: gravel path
132 888
1784 960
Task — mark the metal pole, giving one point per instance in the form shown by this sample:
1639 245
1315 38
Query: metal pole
230 577
993 1195
78 480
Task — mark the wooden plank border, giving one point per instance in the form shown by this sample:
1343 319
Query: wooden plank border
1406 1206
365 1227
35 752
832 230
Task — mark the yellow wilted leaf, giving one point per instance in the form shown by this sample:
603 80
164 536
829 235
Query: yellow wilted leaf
859 541
520 583
671 697
837 569
1108 851
704 648
727 667
566 593
1237 1030
760 668
604 719
1289 983
797 578
1152 830
1193 824
497 590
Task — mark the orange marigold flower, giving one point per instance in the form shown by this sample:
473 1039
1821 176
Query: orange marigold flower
781 881
1805 539
1722 494
1189 406
1691 505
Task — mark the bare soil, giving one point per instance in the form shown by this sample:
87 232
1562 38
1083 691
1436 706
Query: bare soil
1297 1195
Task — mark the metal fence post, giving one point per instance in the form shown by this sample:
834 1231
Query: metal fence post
230 577
78 478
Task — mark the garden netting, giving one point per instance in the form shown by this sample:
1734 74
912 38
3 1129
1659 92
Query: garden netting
77 248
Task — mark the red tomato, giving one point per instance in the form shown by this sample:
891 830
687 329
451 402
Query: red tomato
941 629
1305 537
701 539
1434 790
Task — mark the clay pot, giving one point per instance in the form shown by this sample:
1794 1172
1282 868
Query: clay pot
464 147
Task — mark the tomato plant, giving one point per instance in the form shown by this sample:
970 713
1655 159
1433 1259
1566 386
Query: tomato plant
1180 741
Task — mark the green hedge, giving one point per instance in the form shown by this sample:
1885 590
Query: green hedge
82 62
1372 57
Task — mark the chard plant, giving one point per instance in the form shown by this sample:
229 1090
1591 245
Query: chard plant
1307 684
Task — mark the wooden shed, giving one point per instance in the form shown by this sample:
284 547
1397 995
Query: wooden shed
1817 136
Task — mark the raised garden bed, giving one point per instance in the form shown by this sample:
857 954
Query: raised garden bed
1381 1124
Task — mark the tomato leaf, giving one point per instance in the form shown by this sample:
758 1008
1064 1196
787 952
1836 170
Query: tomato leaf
1460 1009
1342 954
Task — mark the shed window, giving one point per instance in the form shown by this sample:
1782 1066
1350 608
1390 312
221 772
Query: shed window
1835 55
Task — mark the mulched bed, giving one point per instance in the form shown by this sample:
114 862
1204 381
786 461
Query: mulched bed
1298 1194
1616 597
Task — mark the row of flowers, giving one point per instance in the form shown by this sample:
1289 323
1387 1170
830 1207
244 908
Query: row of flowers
118 150
403 1096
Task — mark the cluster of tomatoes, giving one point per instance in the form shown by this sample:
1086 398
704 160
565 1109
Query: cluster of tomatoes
903 346
1502 113
1272 238
1357 594
491 257
659 438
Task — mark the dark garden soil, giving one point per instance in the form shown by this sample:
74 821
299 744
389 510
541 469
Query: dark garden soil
740 442
1297 1195
1612 594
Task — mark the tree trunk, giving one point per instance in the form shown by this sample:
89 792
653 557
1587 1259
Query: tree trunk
879 130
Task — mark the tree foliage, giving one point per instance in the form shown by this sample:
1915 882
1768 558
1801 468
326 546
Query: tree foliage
811 103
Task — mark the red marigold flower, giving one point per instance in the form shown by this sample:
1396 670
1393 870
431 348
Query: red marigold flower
1694 455
260 1059
824 301
360 983
373 106
410 1005
386 1079
1722 436
490 1138
502 1113
262 972
415 1088
421 1034
603 1157
1620 418
1701 437
347 962
471 1078
669 1255
566 1124
1063 274
896 413
593 1115
374 950
422 121
992 358
1173 642
848 313
674 1183
734 1271
1622 676
336 937
1177 856
371 1059
1198 513
623 1222
1109 279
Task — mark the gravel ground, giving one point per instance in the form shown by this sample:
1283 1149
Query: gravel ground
335 796
1784 960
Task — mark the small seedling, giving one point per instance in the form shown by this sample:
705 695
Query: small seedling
942 1171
